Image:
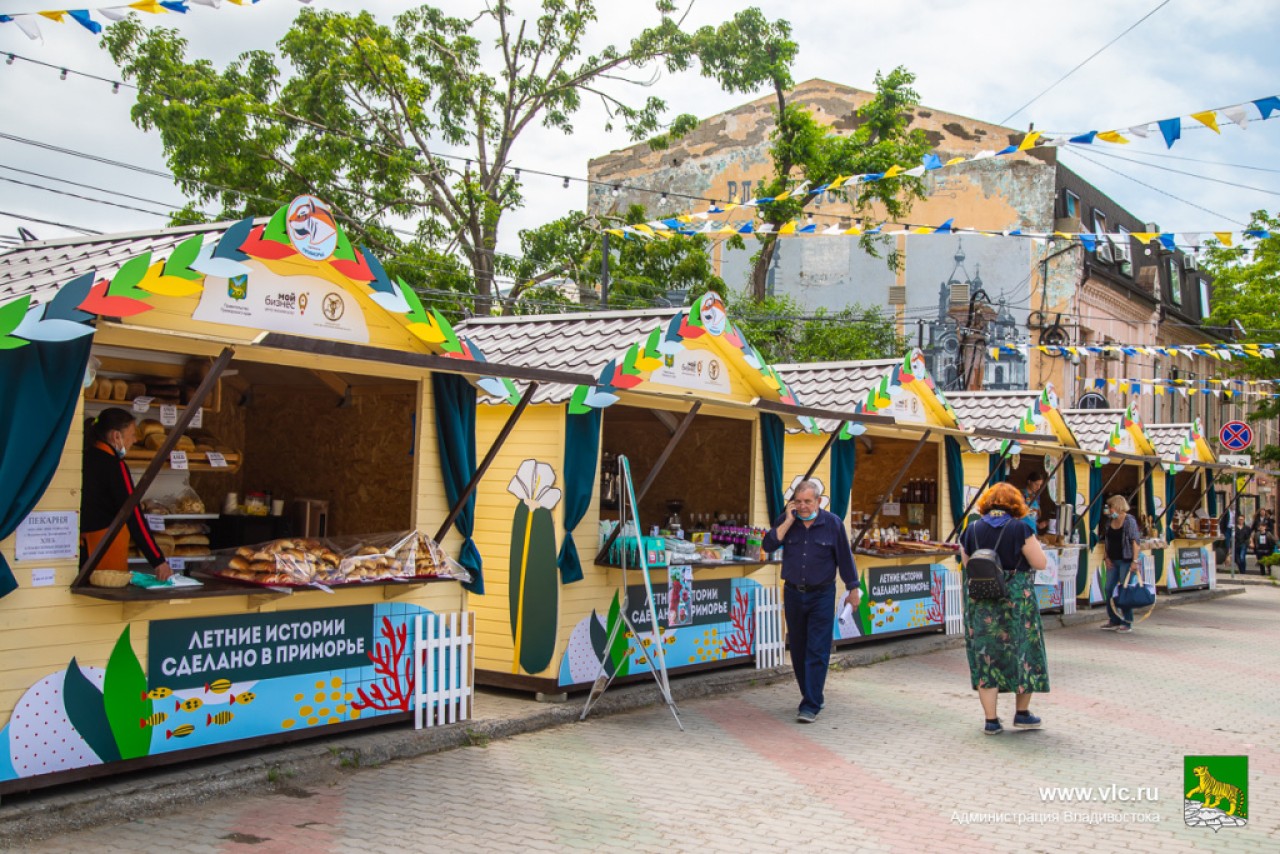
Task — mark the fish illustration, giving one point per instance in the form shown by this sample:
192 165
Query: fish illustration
219 686
243 698
157 718
181 732
642 660
220 718
157 694
188 705
669 639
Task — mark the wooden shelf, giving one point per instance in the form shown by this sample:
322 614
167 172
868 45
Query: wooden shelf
197 461
706 564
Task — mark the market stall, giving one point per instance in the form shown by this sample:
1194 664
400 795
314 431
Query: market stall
1187 510
294 401
679 393
889 479
1043 447
1125 463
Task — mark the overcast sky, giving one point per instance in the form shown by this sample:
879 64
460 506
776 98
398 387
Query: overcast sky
977 58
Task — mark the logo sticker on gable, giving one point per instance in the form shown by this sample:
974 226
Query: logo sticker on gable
713 314
238 287
312 228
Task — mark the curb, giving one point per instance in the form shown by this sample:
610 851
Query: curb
25 818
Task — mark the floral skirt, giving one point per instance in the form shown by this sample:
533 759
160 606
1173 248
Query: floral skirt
1005 640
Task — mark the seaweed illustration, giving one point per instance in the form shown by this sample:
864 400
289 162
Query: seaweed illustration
617 663
937 603
390 661
743 638
124 693
88 713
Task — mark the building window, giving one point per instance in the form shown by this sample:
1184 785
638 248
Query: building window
1204 297
1099 222
1071 203
1175 279
1124 251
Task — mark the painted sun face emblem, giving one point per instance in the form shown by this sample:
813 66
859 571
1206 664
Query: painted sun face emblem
312 228
713 313
918 368
1051 395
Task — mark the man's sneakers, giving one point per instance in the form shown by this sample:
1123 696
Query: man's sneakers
1025 720
1124 630
805 716
993 727
1111 627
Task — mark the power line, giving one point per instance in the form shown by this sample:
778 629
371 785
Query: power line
1182 172
70 183
1201 161
1086 60
82 198
1155 189
26 218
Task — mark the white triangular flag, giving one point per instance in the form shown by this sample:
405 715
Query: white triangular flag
112 14
213 4
1237 115
30 27
916 172
1140 130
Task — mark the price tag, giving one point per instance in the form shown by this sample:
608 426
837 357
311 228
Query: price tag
177 564
168 414
155 522
216 460
142 404
178 460
197 420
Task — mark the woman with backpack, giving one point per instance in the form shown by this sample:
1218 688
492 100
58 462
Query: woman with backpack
1004 639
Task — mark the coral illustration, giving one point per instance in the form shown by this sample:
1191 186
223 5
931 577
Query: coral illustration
937 606
743 639
395 691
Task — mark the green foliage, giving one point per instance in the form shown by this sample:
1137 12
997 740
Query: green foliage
356 112
1246 291
124 694
783 335
749 53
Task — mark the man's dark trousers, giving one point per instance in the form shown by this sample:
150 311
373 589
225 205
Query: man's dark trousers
811 617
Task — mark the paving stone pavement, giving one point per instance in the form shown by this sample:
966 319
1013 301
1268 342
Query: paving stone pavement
896 762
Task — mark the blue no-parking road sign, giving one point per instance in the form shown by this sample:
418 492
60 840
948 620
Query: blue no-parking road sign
1236 435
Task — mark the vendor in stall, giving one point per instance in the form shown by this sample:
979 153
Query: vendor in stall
106 485
1031 496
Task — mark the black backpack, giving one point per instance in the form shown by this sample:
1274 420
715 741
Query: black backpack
988 579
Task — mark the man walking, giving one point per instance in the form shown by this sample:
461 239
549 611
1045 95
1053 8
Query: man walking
815 548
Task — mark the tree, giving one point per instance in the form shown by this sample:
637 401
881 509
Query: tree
783 335
365 113
747 53
1247 292
641 273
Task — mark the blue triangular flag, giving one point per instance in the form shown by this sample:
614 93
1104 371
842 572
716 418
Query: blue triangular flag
1171 129
1266 105
1084 138
932 161
82 18
1007 150
1258 233
945 228
179 6
1089 242
1166 240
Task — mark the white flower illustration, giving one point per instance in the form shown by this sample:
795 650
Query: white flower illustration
534 484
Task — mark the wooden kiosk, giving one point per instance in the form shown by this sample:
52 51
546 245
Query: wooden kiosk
684 396
1187 506
1125 463
890 480
1044 444
314 378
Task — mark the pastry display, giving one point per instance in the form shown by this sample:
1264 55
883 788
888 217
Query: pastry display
302 561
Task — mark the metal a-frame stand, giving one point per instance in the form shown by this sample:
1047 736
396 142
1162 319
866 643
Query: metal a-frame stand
630 512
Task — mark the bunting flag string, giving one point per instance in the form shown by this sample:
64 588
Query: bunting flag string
29 22
1170 129
1222 352
1185 388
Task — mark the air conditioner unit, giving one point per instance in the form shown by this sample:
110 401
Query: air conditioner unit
1109 355
1105 252
1189 262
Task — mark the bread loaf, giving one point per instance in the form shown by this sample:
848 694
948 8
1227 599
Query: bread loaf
191 551
148 427
119 390
192 540
154 441
135 390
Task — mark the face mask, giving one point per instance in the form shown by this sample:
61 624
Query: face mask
120 452
809 518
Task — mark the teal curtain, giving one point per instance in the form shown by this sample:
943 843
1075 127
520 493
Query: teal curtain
581 453
844 461
40 385
1212 497
1095 509
1149 490
999 472
455 408
955 478
1170 491
1069 486
771 438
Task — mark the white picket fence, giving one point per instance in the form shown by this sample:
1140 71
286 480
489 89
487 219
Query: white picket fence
953 592
1067 584
770 642
444 668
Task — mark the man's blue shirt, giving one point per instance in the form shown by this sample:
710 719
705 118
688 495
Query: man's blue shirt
812 555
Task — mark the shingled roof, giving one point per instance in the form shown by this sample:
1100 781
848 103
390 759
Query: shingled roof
834 385
990 410
39 269
1092 426
580 342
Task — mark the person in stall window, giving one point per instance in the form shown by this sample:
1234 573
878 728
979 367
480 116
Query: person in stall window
107 484
1031 497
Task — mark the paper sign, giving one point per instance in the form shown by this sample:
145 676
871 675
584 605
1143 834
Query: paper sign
178 460
177 564
42 577
49 536
154 522
197 420
142 404
168 414
891 508
216 460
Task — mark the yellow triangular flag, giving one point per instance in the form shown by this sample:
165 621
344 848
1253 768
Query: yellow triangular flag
1110 381
838 182
789 228
1209 118
644 229
1145 236
1159 390
893 171
1029 140
53 15
1224 237
923 229
152 6
953 161
853 230
615 231
1112 136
